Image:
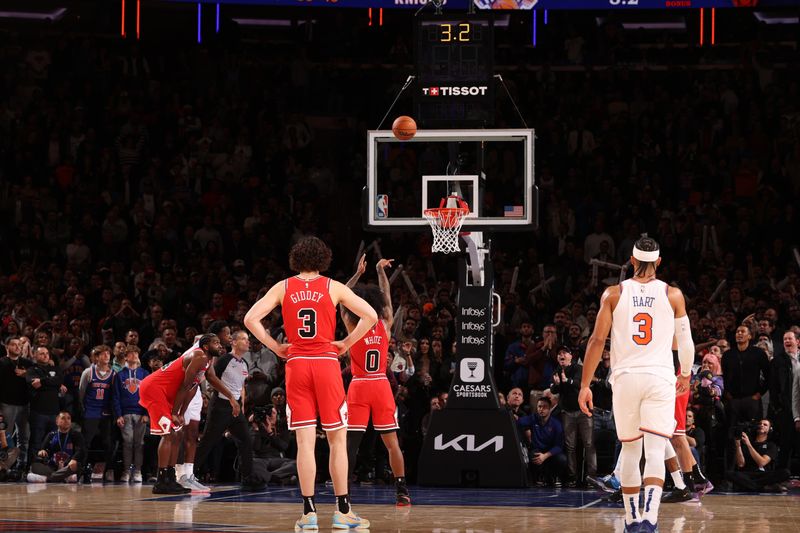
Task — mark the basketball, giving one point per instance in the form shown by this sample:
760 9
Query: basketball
404 128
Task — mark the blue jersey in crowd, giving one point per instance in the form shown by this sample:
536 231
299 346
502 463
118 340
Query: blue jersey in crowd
126 392
544 438
97 402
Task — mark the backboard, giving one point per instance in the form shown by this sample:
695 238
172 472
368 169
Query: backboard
492 170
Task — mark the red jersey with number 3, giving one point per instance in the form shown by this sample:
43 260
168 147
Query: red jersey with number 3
309 317
368 355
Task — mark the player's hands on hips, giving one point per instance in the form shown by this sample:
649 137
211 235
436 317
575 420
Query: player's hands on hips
340 346
585 401
682 386
283 351
235 407
383 263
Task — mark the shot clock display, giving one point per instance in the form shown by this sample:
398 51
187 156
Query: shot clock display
454 56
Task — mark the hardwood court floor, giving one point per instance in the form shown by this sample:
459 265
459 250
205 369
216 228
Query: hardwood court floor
97 508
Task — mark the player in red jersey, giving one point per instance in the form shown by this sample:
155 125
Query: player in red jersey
166 394
690 482
370 392
313 376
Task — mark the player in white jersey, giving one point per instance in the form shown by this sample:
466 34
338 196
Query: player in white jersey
643 316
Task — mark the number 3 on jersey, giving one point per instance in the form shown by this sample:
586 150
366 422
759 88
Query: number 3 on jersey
645 333
309 319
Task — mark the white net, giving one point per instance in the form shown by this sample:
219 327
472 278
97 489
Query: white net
446 224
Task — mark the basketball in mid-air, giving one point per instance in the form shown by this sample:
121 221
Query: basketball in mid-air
404 127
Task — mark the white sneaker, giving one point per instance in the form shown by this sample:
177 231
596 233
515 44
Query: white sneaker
126 477
191 482
36 478
137 476
72 479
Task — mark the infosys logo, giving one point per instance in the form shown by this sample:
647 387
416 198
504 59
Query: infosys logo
475 90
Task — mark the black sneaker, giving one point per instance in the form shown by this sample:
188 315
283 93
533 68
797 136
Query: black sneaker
403 498
615 497
168 486
678 496
251 485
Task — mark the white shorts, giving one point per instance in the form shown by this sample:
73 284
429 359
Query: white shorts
195 406
643 403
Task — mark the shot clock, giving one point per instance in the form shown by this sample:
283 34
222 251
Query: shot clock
454 58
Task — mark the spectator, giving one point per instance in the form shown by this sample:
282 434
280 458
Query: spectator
696 438
541 360
515 402
131 418
95 394
783 367
566 383
45 382
61 455
14 396
745 370
544 438
435 405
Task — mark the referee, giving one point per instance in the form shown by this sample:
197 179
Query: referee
232 370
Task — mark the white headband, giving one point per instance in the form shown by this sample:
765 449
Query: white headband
647 257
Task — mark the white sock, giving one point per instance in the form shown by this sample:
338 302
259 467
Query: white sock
179 471
677 478
188 469
652 499
631 502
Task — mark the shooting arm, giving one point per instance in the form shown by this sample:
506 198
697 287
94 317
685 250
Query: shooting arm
386 289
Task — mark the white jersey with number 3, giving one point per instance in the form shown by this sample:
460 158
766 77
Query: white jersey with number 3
642 329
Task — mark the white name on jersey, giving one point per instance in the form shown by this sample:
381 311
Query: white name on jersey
302 296
643 301
373 340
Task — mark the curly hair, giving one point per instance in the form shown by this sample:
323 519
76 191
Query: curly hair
373 295
310 254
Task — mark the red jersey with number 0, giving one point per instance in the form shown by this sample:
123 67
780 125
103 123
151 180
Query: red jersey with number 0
368 354
309 317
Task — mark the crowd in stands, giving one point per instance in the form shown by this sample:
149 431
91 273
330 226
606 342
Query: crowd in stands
147 192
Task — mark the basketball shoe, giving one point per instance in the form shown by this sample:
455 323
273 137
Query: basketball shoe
349 521
190 482
307 522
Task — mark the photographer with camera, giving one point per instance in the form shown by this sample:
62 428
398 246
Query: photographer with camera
270 444
232 371
755 459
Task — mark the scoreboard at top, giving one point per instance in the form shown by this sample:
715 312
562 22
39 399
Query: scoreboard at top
454 69
462 5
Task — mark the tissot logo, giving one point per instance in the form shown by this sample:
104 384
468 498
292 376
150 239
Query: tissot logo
466 443
474 90
471 370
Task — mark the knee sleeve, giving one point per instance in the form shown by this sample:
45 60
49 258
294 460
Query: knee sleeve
629 457
669 452
654 454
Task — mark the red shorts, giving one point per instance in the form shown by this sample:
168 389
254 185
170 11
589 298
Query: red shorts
314 388
159 408
681 403
371 395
